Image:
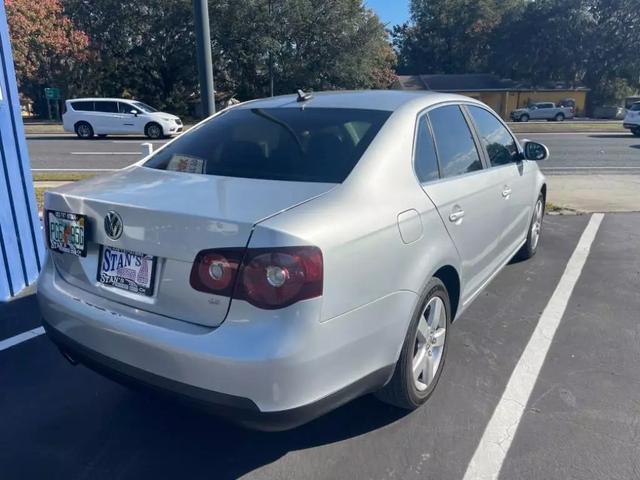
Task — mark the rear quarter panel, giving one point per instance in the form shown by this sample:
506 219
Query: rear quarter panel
356 227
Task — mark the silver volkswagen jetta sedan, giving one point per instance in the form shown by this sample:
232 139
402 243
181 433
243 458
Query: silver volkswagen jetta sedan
290 254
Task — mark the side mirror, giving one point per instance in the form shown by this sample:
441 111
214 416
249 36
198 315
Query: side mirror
134 112
535 151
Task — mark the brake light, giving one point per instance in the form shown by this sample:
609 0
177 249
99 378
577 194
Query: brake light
268 278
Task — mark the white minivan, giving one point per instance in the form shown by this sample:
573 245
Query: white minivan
116 116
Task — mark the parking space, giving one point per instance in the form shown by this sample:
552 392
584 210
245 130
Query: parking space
582 419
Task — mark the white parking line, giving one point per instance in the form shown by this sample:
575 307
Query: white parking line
23 337
106 153
498 435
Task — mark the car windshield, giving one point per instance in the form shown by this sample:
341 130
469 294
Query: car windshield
635 107
291 144
144 107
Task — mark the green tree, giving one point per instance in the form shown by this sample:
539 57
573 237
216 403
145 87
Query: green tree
46 46
450 36
575 41
147 49
142 49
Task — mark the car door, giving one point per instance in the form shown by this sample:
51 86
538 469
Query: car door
467 196
535 112
106 117
507 166
131 122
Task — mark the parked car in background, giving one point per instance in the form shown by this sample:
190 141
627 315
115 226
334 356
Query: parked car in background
542 111
87 117
291 254
609 112
632 119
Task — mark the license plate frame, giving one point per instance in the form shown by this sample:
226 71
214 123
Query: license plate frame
124 283
70 218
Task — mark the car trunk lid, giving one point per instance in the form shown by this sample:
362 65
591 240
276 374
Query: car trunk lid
170 216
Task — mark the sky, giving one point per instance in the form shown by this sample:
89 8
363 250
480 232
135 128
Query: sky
392 12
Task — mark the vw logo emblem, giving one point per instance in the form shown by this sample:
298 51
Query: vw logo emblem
113 225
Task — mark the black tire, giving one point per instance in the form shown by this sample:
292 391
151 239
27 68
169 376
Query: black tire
153 131
524 118
559 117
530 247
636 132
401 391
84 130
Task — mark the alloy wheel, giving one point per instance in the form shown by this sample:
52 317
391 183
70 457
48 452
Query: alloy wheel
536 225
154 131
429 343
84 130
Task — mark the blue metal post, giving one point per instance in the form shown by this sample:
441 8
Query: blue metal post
21 245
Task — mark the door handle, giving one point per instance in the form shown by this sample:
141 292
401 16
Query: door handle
506 192
456 215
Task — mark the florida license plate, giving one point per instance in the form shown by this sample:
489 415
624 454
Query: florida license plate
131 271
66 232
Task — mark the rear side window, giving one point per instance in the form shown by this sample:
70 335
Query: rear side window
426 161
106 107
294 144
496 139
454 142
82 106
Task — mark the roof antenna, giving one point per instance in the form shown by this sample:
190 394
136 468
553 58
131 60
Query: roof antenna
303 97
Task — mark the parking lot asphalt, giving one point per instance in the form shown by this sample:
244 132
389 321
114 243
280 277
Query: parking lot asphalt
570 152
582 420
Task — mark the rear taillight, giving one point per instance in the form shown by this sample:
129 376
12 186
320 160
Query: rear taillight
267 278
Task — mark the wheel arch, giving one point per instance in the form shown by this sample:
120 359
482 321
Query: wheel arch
451 279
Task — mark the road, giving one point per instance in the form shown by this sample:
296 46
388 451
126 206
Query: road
581 419
570 153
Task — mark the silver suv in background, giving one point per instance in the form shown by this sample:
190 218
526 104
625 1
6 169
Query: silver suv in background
87 117
542 111
632 119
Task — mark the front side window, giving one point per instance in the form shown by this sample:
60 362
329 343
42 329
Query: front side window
496 139
454 142
125 108
426 161
106 107
144 107
291 144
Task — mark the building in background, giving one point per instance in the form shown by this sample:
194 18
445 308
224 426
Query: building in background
21 245
502 95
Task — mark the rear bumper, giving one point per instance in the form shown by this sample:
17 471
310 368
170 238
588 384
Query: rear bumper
239 409
262 369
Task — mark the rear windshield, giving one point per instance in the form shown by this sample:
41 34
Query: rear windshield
293 144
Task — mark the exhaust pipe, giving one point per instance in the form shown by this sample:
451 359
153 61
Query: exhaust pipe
69 358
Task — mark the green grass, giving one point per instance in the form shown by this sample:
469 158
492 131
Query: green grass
62 176
567 127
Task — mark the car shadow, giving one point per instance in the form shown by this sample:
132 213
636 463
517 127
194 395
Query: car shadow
165 439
